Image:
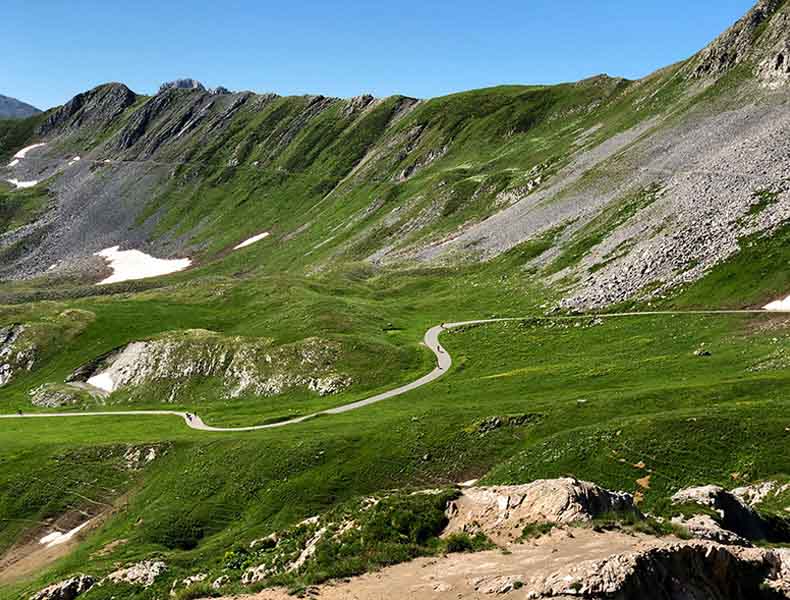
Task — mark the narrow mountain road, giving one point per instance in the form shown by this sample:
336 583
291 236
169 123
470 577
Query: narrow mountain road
443 363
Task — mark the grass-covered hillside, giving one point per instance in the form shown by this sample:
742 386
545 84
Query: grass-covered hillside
573 209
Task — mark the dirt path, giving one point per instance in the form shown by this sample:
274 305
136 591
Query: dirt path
478 575
443 363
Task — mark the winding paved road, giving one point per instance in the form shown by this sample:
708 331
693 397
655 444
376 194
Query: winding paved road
431 340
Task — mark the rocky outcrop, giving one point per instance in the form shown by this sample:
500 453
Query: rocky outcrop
187 581
705 527
501 512
734 514
682 570
755 494
182 84
243 365
96 108
16 353
761 38
55 396
68 589
139 574
137 457
358 103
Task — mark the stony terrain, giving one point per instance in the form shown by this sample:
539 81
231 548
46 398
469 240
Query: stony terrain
653 206
267 415
569 558
245 366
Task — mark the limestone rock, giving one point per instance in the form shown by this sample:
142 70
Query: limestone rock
502 511
53 396
68 589
244 365
139 574
15 353
704 527
676 570
735 515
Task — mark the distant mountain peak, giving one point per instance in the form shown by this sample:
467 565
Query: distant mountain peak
182 84
11 108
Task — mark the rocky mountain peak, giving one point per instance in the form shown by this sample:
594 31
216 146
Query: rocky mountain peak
94 108
760 38
182 84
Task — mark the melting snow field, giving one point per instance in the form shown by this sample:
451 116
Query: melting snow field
103 381
128 265
23 152
17 158
252 240
56 537
20 185
779 305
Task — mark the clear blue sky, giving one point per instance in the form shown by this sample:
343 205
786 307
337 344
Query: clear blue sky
53 49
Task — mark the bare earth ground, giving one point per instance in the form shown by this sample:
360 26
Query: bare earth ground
479 575
29 557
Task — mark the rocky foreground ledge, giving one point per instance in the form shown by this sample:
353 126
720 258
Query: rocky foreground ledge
545 539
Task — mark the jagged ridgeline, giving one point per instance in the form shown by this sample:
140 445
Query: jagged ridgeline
243 281
621 189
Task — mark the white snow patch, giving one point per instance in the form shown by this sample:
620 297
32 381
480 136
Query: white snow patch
103 381
133 264
252 240
23 152
779 305
56 537
20 185
74 160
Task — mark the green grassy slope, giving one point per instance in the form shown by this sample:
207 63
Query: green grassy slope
636 394
632 403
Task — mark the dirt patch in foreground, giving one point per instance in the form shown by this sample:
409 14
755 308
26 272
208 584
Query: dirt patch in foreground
460 576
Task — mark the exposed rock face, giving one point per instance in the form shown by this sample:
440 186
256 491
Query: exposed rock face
757 493
137 457
705 527
245 366
684 570
501 512
96 108
182 84
358 103
187 581
761 38
736 516
140 574
53 396
68 589
15 353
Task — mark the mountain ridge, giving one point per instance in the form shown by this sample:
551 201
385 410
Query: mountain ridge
598 257
11 108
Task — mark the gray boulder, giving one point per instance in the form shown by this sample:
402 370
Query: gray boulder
68 589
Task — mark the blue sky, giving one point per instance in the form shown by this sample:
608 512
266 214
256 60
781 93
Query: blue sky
54 49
